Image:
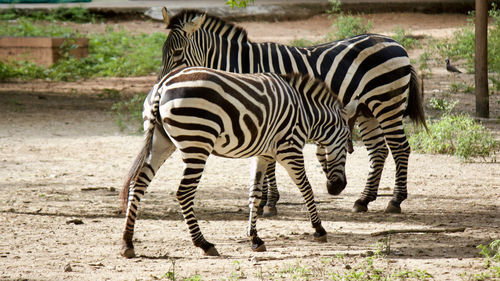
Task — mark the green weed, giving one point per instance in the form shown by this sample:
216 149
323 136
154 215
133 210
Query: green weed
461 87
405 38
73 14
129 112
455 134
348 25
111 54
26 27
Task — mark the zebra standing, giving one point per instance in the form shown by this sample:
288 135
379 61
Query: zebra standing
203 111
371 68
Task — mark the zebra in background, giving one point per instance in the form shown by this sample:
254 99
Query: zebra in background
370 68
203 111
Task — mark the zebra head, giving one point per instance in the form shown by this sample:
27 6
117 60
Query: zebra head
180 49
334 167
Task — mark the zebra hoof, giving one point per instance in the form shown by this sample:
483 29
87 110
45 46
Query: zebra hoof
259 248
321 239
392 209
360 207
128 253
269 212
211 252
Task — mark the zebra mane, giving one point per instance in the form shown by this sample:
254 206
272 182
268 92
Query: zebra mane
299 77
184 16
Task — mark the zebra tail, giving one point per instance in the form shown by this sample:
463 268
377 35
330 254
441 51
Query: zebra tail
141 158
414 108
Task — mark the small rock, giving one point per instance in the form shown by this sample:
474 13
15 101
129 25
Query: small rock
74 221
347 267
67 268
369 253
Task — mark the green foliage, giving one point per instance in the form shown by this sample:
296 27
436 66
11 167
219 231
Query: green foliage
73 14
302 42
461 45
491 253
238 3
334 7
129 112
454 134
111 54
349 25
25 27
405 38
461 87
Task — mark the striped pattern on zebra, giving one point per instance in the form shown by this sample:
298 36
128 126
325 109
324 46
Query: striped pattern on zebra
203 111
371 68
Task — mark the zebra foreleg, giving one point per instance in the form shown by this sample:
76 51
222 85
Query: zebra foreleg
160 150
270 193
294 164
259 168
373 138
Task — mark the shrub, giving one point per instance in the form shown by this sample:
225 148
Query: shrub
349 25
405 38
74 14
455 134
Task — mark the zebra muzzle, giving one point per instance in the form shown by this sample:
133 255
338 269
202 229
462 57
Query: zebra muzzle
335 187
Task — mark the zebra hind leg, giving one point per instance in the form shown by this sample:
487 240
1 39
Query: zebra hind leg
139 179
259 168
193 170
295 168
400 150
373 138
270 192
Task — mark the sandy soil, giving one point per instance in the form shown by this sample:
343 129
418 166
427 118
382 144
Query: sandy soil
62 160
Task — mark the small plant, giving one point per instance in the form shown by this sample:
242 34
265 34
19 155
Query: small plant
302 42
334 7
443 105
349 25
129 111
455 134
405 38
238 3
461 88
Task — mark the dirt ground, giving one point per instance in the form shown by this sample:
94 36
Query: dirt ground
63 158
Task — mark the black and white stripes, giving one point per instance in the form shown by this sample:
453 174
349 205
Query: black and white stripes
201 111
371 68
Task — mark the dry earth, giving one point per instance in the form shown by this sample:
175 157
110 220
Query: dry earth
62 159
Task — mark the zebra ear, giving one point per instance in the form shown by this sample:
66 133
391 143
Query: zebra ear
166 18
350 109
195 24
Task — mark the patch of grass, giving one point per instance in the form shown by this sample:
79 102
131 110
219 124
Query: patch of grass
454 134
26 27
72 14
491 254
348 25
405 38
302 42
129 112
461 45
461 87
115 53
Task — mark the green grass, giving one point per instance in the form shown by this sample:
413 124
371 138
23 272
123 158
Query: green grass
129 113
26 27
73 14
115 53
462 46
454 134
405 38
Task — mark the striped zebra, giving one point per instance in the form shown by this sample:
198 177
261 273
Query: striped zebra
371 68
202 111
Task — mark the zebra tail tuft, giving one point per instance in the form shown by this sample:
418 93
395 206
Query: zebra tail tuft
143 155
414 108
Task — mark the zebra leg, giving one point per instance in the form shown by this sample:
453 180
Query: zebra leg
270 191
263 201
161 149
294 164
259 168
400 149
373 138
194 164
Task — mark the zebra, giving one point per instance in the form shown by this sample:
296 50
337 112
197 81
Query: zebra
267 116
371 68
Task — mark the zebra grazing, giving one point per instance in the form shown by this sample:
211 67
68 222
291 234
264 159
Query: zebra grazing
203 111
371 68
